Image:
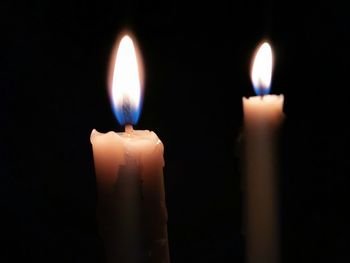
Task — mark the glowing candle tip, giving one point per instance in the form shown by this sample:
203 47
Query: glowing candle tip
126 81
262 69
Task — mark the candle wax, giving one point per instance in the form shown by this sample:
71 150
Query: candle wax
262 118
131 208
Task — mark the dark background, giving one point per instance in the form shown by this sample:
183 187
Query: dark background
54 58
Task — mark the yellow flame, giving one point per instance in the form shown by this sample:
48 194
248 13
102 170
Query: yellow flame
126 85
262 67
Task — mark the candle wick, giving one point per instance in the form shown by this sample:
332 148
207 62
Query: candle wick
261 93
129 129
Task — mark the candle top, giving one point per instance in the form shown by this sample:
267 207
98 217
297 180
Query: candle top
266 109
134 137
267 99
138 143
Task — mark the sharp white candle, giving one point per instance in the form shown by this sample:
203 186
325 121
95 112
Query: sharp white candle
131 210
262 118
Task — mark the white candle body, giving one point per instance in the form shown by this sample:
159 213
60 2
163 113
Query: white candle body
262 118
131 210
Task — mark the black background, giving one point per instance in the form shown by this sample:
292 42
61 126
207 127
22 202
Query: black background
54 58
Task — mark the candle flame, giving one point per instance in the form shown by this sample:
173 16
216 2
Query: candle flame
262 69
125 82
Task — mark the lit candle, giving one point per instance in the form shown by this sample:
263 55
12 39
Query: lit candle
131 209
262 118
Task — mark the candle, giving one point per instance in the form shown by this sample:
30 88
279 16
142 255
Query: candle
131 209
262 118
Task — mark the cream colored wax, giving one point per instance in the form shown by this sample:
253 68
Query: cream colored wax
131 210
262 119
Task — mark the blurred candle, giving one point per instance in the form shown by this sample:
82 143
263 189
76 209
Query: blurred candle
131 209
262 118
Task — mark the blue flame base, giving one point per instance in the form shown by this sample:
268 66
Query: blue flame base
261 91
126 114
